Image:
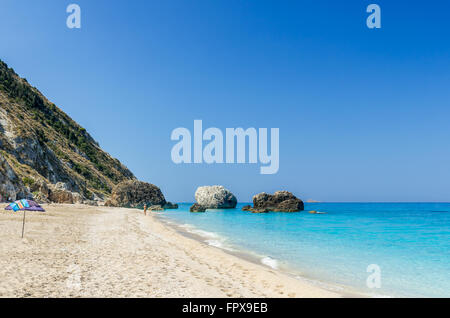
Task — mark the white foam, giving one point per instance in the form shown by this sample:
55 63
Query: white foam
269 261
187 227
205 234
210 238
215 243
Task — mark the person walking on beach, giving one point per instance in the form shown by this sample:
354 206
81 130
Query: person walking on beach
145 209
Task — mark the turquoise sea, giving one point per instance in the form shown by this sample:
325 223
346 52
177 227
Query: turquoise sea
410 242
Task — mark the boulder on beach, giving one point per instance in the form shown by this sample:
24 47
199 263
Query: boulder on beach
280 201
60 193
134 194
91 202
215 197
61 196
197 208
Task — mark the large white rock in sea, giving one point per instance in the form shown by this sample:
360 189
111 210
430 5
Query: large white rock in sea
215 197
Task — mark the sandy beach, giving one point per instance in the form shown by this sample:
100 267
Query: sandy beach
83 251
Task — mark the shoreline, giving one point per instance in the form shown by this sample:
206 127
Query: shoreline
254 258
85 251
310 288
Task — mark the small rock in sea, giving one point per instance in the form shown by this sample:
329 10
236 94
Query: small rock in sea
317 212
197 208
170 206
247 208
260 210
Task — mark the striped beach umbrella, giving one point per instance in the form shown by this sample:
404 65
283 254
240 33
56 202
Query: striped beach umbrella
19 205
24 205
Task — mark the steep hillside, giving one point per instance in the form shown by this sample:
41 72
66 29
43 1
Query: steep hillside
43 152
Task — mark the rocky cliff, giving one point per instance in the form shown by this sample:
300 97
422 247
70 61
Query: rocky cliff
44 153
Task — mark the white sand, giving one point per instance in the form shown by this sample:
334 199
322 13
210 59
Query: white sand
81 251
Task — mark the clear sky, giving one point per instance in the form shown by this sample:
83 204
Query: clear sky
363 114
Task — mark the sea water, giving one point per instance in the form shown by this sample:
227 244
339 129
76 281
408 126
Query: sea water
409 242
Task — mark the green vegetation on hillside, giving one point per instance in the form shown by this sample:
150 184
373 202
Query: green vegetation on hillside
37 118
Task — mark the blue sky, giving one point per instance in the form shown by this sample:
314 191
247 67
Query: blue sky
363 114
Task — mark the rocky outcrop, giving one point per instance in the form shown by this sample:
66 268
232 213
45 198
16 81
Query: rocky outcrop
247 208
280 201
134 194
291 205
197 208
215 197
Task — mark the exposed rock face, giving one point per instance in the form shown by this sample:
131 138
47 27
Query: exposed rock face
215 197
134 194
41 191
280 201
78 198
11 187
197 208
39 143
